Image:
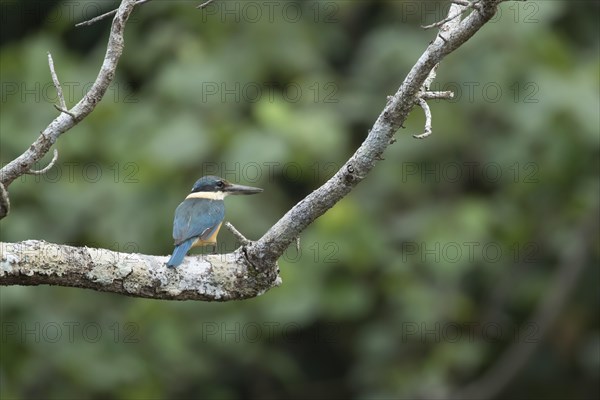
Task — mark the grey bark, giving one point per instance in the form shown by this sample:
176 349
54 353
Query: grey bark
217 277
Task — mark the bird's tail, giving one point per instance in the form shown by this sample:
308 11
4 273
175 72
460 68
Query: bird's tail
180 252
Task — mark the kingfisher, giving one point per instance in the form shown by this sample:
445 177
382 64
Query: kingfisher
199 217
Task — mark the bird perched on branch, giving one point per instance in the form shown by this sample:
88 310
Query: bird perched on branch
199 217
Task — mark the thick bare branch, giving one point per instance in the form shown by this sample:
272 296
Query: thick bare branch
69 118
456 32
218 277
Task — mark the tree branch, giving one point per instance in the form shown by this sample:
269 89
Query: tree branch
456 32
106 15
217 277
241 238
250 270
454 15
69 118
47 168
59 92
204 5
423 104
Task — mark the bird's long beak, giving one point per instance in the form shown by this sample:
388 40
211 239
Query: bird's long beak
241 189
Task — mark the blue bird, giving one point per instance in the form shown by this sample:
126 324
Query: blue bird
199 217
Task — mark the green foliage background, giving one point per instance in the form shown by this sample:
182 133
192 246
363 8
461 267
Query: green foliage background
388 286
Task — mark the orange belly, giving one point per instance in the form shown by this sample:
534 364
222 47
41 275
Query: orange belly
209 241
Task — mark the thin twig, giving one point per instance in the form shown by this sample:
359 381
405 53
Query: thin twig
430 78
445 95
96 19
61 97
205 4
465 4
241 238
47 168
62 110
442 22
427 112
425 94
105 15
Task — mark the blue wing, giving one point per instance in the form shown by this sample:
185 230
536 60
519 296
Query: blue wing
197 218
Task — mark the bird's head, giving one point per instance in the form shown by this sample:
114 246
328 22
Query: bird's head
216 184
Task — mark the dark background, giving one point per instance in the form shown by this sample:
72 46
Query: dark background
467 261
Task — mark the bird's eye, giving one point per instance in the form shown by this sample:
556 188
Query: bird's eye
220 184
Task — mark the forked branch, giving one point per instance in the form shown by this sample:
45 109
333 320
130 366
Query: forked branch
252 269
68 118
455 32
